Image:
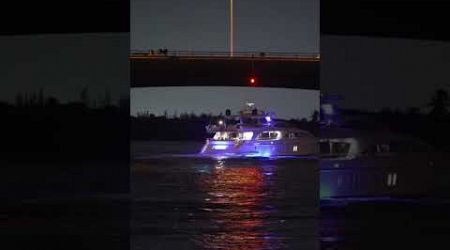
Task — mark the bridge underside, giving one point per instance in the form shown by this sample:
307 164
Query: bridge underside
224 71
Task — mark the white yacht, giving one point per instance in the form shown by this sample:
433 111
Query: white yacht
256 133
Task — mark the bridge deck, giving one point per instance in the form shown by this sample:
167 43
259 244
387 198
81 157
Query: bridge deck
207 55
186 68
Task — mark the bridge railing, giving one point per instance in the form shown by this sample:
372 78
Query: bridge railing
218 54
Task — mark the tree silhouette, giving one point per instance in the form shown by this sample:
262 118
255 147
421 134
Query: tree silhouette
84 96
41 97
52 101
315 116
439 103
413 111
19 100
107 99
33 99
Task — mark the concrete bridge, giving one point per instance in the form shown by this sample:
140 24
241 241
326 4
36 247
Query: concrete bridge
187 68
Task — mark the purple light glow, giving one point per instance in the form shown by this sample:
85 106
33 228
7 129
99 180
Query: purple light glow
268 119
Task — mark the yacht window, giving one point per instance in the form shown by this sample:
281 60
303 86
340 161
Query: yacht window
264 136
334 149
383 148
233 135
274 135
269 135
220 136
340 148
247 135
324 147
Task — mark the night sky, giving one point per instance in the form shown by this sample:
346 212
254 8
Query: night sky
63 64
379 53
374 73
260 25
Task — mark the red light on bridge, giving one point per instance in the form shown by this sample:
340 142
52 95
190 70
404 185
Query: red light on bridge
252 81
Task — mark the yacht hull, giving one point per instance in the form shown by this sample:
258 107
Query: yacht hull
261 148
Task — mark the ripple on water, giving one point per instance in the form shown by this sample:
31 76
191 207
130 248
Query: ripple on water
232 204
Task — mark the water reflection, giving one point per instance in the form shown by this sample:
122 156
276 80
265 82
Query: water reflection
235 199
225 204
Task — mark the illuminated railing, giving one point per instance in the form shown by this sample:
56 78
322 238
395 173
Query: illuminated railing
222 55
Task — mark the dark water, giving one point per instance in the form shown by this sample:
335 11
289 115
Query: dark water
62 206
385 224
195 203
362 207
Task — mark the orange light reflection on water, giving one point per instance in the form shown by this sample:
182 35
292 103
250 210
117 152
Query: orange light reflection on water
235 204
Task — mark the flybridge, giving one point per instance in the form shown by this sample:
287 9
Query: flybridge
160 67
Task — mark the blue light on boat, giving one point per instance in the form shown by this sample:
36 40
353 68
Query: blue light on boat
268 119
259 154
220 142
220 147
